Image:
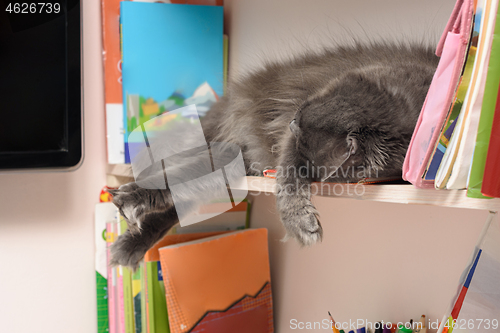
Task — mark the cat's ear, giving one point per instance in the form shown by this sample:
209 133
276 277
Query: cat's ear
294 128
352 144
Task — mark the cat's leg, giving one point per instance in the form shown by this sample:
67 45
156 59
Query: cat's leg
134 201
149 214
129 249
293 199
149 209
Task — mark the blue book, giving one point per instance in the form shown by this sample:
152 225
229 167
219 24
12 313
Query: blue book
172 57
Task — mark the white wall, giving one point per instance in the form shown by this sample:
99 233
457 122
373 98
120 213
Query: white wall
378 261
276 29
47 277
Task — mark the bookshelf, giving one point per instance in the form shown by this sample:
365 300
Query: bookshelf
402 194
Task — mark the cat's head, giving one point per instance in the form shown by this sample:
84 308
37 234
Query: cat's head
353 129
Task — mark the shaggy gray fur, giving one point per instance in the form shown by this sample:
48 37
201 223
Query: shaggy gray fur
338 116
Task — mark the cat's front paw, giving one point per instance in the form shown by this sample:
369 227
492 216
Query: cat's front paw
128 250
302 224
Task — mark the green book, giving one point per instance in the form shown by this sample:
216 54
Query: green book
144 323
156 300
128 300
150 315
102 303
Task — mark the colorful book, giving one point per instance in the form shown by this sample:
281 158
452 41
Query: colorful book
113 73
112 61
454 168
172 57
232 273
458 101
104 212
486 119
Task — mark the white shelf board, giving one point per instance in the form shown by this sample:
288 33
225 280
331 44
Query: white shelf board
406 194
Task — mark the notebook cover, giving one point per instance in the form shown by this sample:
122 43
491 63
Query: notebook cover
156 313
172 57
212 281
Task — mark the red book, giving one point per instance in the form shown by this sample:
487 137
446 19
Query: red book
491 179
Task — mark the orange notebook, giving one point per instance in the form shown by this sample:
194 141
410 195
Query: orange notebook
219 284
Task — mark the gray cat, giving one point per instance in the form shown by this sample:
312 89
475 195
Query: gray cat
342 115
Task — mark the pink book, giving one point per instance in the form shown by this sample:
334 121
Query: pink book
110 238
119 294
452 49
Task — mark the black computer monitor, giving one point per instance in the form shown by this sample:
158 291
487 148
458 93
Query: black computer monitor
40 85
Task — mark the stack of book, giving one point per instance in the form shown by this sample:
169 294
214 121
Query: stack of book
237 276
159 57
456 143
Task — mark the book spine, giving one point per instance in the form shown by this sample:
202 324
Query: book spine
150 272
128 302
110 238
112 81
144 324
137 295
101 278
161 314
146 299
121 304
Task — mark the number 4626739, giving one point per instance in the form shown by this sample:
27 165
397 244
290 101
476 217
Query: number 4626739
33 8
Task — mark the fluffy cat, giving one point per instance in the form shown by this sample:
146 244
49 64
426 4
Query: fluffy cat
338 116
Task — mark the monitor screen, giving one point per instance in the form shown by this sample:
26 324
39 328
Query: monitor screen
40 84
